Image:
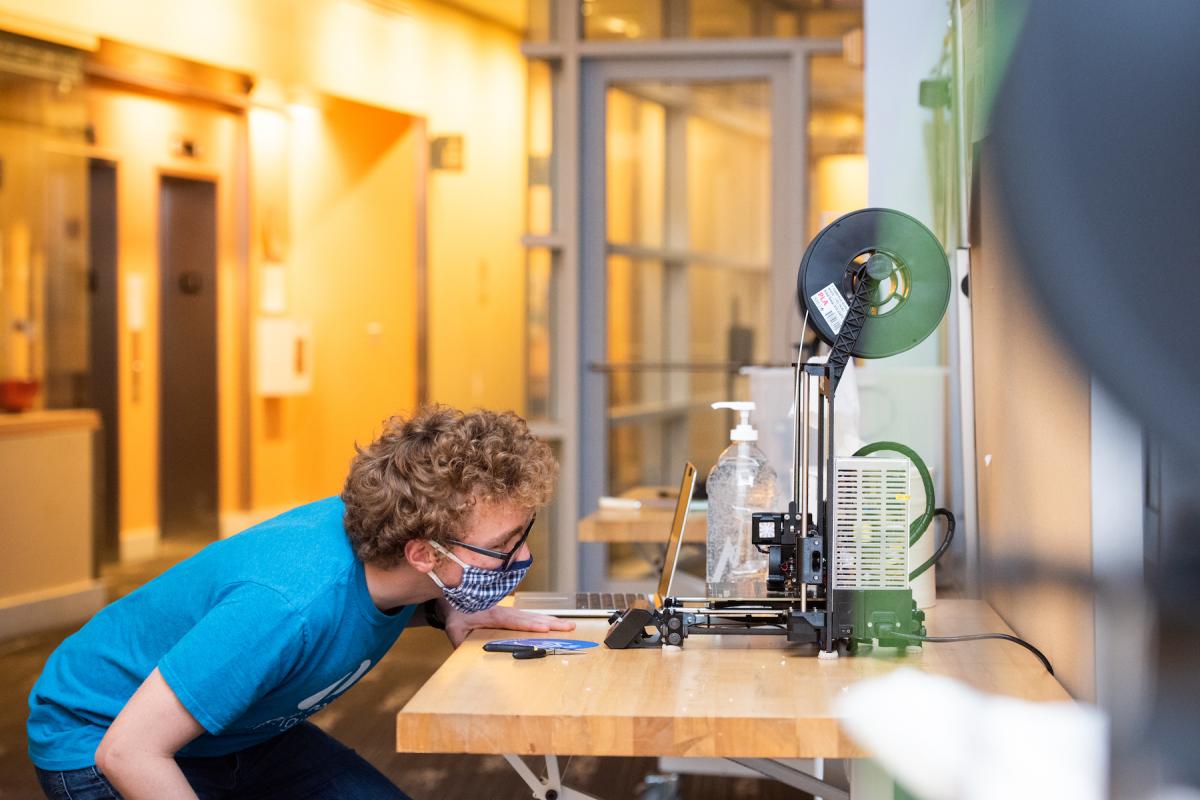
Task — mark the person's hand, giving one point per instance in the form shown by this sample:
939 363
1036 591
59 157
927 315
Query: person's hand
458 624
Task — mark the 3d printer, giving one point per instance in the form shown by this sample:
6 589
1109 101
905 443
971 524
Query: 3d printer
874 283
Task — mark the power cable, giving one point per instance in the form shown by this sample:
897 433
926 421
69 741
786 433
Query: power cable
942 548
971 637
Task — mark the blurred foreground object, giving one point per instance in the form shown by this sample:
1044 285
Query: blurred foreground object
1095 129
943 740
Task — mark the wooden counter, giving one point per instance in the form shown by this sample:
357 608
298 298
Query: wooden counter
35 421
718 696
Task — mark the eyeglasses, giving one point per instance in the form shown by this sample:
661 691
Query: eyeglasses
505 558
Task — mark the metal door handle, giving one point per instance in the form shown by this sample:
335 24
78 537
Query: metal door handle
191 282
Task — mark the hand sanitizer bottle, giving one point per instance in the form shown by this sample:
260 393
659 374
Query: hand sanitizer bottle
739 484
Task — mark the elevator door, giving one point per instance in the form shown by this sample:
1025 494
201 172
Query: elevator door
188 358
102 383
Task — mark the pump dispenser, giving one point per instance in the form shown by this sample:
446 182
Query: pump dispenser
744 432
741 483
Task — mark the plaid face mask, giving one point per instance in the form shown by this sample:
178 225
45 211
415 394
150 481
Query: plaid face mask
480 588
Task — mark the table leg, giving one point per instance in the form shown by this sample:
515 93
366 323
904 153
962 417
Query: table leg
797 779
867 780
550 787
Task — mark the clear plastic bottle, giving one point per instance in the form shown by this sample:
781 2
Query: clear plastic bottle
739 484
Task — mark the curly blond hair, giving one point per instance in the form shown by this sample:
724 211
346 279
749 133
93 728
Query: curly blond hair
424 474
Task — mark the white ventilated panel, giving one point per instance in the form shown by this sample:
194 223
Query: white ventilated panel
870 516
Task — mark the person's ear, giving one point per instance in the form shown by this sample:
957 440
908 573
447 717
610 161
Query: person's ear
420 554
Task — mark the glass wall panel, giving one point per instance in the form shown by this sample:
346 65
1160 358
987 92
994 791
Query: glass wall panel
540 132
636 155
44 309
541 541
541 287
728 153
635 334
715 19
837 161
636 453
735 307
688 222
622 19
540 21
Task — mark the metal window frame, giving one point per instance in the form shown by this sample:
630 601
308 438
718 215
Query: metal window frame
582 70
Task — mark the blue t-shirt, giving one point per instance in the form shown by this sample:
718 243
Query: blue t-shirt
253 634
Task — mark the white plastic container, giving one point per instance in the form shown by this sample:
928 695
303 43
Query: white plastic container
739 484
773 391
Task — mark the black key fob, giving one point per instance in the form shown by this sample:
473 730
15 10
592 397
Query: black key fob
521 651
529 652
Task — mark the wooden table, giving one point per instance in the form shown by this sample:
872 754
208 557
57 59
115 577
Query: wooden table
736 697
649 524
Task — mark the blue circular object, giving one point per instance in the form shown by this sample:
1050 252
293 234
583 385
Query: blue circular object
550 644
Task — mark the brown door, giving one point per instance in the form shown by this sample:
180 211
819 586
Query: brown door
188 395
102 339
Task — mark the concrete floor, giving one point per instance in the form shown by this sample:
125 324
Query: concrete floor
364 718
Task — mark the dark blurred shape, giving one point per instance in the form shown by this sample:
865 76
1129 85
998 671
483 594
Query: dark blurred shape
1175 716
446 153
1096 127
1095 130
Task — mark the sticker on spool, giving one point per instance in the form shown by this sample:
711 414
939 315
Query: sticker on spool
833 307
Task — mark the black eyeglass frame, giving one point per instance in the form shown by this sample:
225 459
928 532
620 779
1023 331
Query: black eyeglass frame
506 558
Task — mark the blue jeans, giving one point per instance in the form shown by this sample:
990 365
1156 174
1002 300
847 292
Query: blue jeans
305 762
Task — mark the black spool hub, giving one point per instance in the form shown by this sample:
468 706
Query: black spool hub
907 268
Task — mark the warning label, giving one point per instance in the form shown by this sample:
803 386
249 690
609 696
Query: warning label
832 305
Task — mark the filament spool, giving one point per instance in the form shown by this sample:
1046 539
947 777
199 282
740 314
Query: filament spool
906 265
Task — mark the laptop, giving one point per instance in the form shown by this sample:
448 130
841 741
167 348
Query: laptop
604 604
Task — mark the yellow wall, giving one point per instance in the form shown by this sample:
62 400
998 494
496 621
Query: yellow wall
350 265
461 75
476 217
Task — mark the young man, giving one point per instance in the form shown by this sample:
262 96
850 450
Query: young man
198 684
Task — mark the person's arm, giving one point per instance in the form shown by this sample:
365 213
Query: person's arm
458 624
137 754
242 648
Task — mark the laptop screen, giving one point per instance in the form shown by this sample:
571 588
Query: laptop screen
686 486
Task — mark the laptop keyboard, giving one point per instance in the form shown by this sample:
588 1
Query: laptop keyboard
602 600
